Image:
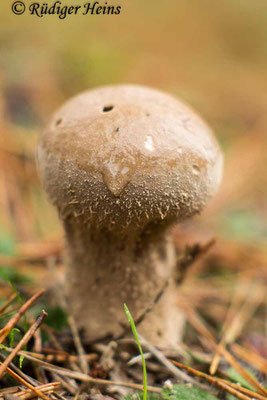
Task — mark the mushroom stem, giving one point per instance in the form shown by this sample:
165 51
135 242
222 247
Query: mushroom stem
117 269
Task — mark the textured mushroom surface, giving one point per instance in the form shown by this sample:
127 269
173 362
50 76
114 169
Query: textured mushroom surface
122 163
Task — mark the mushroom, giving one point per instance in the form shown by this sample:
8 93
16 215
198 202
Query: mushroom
122 164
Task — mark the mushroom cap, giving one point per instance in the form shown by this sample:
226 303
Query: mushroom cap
128 155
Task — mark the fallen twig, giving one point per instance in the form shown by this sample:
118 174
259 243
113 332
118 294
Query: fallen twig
237 316
86 378
249 356
47 389
81 353
161 357
12 322
7 303
201 328
191 254
236 390
25 383
22 342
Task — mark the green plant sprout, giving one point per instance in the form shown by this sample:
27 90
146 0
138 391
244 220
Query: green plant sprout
12 335
11 344
132 324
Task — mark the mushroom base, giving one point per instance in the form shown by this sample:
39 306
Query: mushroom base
104 271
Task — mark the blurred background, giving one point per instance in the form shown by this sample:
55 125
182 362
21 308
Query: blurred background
212 55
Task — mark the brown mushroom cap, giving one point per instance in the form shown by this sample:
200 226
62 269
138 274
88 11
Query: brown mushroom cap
128 155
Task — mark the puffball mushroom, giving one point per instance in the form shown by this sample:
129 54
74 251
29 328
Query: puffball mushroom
122 164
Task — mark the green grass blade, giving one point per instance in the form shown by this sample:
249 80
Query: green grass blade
132 324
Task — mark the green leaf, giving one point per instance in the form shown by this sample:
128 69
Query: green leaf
186 392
